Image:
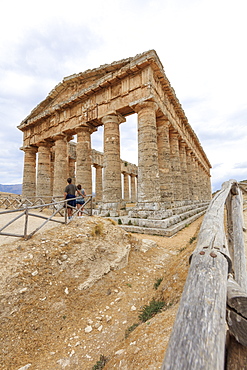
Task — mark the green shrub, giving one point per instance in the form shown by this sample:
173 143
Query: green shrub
192 239
130 329
148 311
157 283
182 249
97 230
119 221
101 363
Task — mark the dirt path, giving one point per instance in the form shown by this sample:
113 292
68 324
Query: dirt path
17 227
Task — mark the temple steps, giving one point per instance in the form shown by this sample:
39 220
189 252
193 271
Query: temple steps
172 221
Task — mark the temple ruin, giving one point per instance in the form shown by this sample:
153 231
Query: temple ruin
173 168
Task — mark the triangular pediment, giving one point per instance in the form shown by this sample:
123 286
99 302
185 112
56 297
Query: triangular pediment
73 85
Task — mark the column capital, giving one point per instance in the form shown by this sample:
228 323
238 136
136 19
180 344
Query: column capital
59 137
85 127
189 151
113 117
47 144
96 165
161 121
183 144
29 148
146 104
174 134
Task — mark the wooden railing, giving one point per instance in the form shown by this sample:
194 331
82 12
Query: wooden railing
215 293
25 210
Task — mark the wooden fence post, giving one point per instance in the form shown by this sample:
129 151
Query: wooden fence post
26 223
237 289
198 336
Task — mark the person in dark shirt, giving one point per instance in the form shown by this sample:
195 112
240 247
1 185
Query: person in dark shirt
69 192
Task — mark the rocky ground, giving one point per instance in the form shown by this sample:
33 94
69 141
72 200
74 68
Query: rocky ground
71 296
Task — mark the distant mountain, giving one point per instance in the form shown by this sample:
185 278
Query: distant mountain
15 189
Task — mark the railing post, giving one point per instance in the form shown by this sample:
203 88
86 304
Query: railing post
66 213
237 289
26 223
197 341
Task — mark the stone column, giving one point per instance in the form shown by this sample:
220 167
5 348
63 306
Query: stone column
194 177
163 142
197 180
209 187
98 183
148 166
29 172
43 188
52 168
184 170
72 169
189 173
204 185
201 182
112 190
84 158
133 187
60 165
175 166
126 187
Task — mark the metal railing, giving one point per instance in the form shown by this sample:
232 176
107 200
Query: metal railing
26 209
215 292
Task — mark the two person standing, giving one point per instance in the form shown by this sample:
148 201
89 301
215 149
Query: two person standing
72 191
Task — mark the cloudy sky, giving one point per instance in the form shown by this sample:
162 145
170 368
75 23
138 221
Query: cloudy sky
201 44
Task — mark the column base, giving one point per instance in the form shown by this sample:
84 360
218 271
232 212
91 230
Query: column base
113 209
157 210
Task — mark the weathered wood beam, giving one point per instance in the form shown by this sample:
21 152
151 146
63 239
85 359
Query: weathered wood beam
237 311
237 289
198 337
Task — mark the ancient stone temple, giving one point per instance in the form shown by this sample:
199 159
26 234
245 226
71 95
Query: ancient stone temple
172 166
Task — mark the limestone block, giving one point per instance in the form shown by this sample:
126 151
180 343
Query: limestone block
147 244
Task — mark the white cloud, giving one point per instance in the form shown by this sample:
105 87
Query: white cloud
200 44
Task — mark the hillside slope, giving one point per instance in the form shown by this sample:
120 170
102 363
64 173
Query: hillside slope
75 293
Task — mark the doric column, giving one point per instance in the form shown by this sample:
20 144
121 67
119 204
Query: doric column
43 188
133 187
209 187
98 183
148 187
175 165
189 173
29 172
112 190
184 170
84 158
164 157
60 165
197 180
52 168
204 184
193 177
201 182
72 169
126 195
